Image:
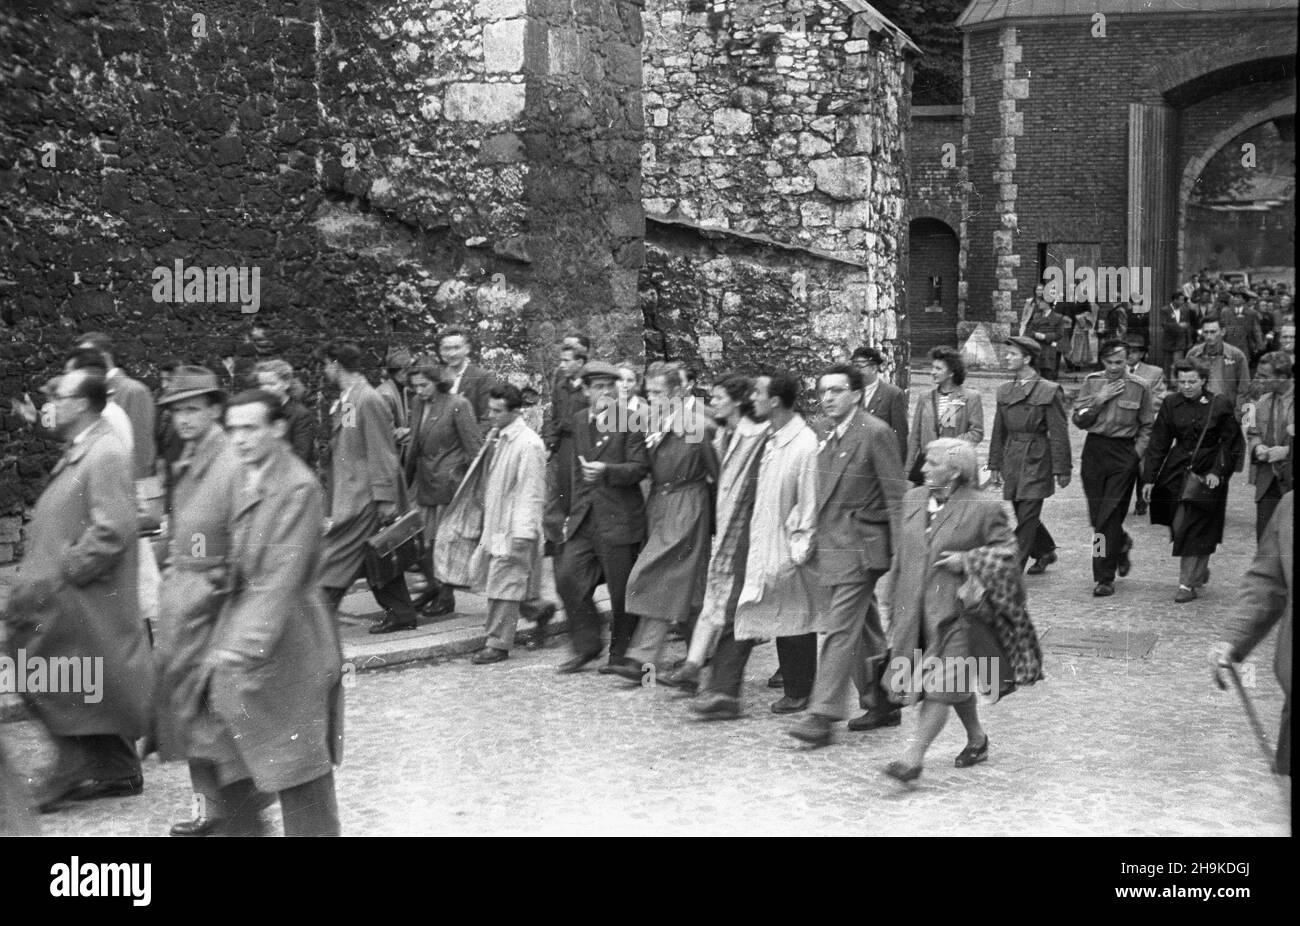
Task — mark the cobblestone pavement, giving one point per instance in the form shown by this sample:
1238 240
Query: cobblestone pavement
1103 746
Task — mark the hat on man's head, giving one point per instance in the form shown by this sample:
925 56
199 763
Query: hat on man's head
398 359
1135 340
187 382
1110 346
1028 345
598 369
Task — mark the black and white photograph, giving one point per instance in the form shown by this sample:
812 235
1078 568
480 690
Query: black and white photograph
643 418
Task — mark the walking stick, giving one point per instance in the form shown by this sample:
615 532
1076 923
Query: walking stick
1260 736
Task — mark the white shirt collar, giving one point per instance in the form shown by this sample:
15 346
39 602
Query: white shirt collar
84 431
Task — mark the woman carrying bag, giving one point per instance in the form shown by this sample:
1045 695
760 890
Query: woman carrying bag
1195 448
947 410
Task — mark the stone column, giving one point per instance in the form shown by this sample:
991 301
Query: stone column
1152 200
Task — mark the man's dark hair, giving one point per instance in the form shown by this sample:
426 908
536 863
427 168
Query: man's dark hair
951 357
1280 363
98 340
1178 294
513 397
93 387
844 369
581 339
1212 317
86 358
167 364
431 371
274 410
784 387
579 353
736 386
869 354
347 354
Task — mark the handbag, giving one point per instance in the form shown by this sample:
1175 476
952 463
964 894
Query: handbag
1196 492
394 549
914 474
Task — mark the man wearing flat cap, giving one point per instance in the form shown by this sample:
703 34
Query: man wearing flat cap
606 523
194 581
1030 445
1115 408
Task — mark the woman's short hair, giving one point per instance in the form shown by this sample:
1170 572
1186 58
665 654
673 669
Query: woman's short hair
960 454
951 358
736 385
1189 365
432 371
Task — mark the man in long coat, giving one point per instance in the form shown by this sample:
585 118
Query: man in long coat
1115 408
567 398
860 485
367 488
1175 321
274 666
606 522
1030 445
1047 328
1267 600
194 582
76 603
508 561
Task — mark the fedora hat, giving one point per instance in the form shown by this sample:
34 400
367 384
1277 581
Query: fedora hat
187 382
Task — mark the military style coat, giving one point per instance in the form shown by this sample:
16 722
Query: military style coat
1030 442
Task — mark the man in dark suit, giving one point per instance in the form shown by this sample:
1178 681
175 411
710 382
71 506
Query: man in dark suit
1241 325
860 485
276 377
880 398
1176 331
568 396
606 522
467 380
366 487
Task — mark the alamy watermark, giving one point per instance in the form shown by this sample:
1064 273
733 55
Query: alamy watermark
179 283
1100 284
684 415
83 675
921 674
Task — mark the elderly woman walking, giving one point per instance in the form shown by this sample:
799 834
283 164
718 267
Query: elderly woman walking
959 628
947 410
1195 447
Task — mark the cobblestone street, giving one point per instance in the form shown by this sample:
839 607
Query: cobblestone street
1103 746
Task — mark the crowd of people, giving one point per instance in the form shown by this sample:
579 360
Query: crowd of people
723 512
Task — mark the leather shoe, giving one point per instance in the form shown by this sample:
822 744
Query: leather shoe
1040 565
489 655
814 729
902 772
973 755
876 718
390 626
1184 594
542 617
1125 565
623 668
200 826
1103 590
89 789
439 606
789 705
686 677
576 663
777 680
715 706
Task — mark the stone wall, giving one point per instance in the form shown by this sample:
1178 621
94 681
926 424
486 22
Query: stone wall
389 168
785 121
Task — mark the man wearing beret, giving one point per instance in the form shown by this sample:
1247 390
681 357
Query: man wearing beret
1030 445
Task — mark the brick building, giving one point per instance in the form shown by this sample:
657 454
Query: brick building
1082 134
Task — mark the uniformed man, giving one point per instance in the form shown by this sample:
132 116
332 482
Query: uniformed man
1115 408
1031 445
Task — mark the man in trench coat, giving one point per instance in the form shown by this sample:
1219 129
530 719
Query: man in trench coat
76 603
194 585
860 485
273 668
1030 445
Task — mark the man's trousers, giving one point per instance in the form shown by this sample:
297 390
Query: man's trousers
1032 535
1109 471
851 650
584 562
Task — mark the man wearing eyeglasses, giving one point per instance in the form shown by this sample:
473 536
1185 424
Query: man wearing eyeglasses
77 603
860 486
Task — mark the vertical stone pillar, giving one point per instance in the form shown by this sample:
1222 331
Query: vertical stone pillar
1010 127
1153 201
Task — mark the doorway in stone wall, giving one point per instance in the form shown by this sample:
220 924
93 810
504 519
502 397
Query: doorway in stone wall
931 285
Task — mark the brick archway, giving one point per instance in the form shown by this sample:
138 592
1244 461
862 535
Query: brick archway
1259 45
1192 171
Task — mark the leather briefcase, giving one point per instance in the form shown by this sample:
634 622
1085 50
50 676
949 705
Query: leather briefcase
394 549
